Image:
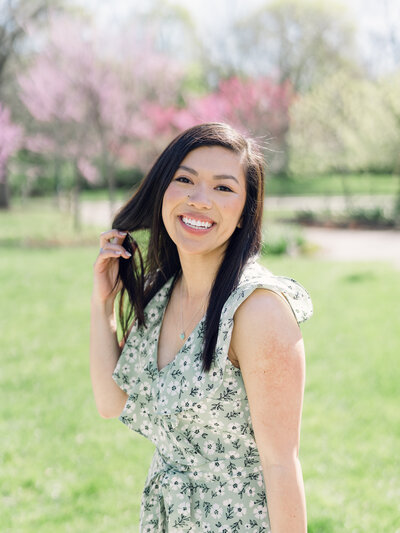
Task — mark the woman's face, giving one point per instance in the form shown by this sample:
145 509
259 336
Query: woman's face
213 178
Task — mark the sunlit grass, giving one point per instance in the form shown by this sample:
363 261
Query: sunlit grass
65 469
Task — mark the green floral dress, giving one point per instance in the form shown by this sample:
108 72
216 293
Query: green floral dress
205 474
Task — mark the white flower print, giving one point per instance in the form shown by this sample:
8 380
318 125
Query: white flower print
173 388
217 466
144 387
240 509
199 422
209 447
183 508
235 485
250 491
142 346
153 315
184 362
220 491
216 510
260 512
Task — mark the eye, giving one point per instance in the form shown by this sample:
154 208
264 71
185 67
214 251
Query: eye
179 178
225 187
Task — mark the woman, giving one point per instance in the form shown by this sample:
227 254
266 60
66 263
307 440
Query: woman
211 369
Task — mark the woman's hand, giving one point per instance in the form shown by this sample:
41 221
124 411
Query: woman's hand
105 268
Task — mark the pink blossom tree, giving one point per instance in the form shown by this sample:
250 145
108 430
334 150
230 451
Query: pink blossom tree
256 107
11 136
92 106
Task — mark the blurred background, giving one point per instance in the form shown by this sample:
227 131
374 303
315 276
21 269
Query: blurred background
91 91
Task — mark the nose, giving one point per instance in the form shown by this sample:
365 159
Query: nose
200 198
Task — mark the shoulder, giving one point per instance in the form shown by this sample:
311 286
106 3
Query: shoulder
264 322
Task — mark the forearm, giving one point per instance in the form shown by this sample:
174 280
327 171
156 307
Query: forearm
286 498
104 354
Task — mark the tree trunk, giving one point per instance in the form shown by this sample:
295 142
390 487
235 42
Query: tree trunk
4 192
76 208
111 190
346 193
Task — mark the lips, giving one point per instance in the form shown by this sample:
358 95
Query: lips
200 230
200 218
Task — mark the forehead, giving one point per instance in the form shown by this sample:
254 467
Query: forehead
215 160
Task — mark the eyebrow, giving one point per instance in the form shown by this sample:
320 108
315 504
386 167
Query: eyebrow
216 177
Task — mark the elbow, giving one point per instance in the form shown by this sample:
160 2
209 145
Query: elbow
105 412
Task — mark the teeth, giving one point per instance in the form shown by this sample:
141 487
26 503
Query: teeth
196 223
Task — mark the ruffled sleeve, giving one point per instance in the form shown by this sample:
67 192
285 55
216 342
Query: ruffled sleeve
258 277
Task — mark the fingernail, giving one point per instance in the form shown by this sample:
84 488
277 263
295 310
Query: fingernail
128 253
122 232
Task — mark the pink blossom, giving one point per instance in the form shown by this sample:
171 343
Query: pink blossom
11 136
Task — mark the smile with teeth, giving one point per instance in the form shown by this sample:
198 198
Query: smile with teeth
197 224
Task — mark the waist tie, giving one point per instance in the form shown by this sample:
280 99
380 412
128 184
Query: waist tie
171 489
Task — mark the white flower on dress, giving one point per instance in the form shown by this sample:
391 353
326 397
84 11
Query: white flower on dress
184 509
233 454
239 509
209 447
235 485
216 510
260 512
134 342
217 466
220 491
142 346
184 362
214 375
240 472
173 387
233 427
250 491
144 387
153 315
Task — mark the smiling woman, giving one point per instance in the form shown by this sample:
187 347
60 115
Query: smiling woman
211 368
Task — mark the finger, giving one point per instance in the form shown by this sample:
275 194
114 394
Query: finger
115 234
117 247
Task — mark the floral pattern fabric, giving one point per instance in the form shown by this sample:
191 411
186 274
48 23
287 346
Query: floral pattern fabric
205 474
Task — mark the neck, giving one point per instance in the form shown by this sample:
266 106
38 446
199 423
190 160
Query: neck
198 274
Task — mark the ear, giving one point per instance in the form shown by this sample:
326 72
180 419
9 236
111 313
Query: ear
240 223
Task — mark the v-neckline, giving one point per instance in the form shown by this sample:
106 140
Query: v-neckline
159 326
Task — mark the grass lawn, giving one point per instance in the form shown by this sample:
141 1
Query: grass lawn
65 469
332 184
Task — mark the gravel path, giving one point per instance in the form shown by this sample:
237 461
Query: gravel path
337 244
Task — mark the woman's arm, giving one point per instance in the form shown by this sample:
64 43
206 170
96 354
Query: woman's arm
104 354
268 345
104 347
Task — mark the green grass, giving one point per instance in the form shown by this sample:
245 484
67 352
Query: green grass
65 469
332 185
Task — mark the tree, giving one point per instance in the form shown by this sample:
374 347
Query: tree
10 140
257 107
334 128
91 104
296 41
15 15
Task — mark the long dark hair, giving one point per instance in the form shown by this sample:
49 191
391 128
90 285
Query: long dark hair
143 279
